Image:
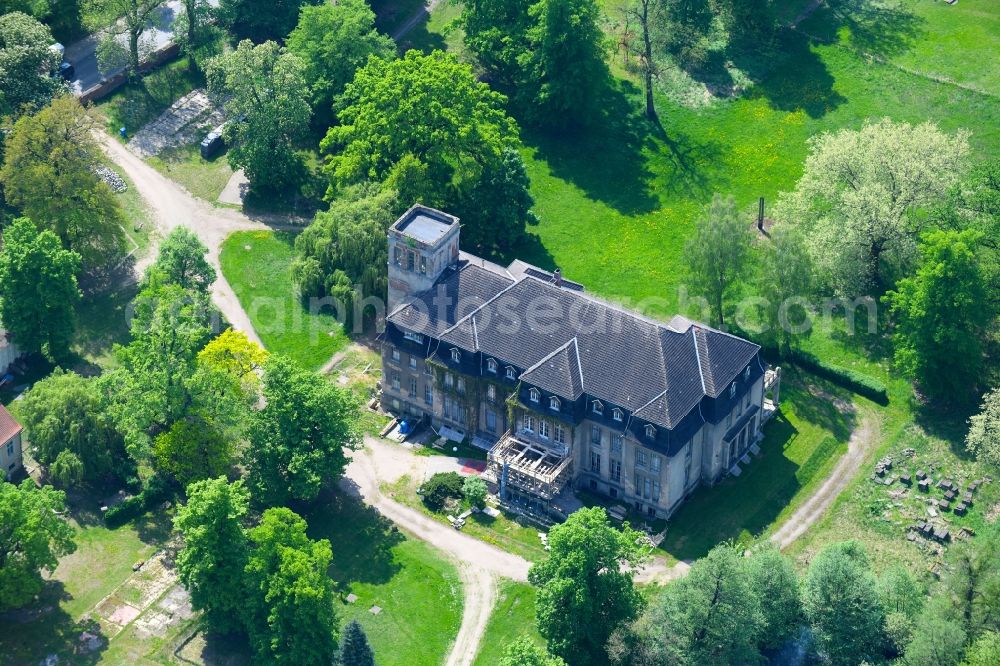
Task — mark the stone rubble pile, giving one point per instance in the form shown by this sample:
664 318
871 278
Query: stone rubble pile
113 180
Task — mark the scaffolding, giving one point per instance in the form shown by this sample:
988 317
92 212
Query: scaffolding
529 468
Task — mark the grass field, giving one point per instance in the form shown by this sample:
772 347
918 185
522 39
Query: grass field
418 591
184 165
513 617
258 265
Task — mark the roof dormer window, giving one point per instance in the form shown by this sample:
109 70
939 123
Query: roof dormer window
598 407
511 373
732 389
456 355
535 395
650 432
554 403
617 414
491 365
746 373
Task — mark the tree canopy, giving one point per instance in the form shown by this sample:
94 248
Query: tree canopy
266 103
523 652
38 290
25 64
64 412
181 261
297 440
585 585
334 41
858 194
261 20
215 550
718 254
48 173
983 438
32 539
234 354
940 315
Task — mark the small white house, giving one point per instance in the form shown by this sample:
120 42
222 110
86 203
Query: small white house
10 444
8 352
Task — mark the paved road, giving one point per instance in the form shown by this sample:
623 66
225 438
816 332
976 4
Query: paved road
83 54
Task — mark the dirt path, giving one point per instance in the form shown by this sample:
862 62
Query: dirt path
862 441
415 20
172 206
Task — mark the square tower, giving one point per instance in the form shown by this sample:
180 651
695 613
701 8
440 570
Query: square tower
423 242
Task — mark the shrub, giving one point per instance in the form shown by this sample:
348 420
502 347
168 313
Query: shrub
474 489
440 487
852 380
156 491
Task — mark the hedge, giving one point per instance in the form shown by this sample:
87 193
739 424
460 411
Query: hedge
852 380
156 491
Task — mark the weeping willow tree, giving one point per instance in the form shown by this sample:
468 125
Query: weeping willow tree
343 252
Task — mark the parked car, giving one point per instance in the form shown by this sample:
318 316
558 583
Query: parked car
67 71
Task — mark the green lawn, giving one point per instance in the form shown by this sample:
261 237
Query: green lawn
513 617
509 532
258 265
418 591
184 165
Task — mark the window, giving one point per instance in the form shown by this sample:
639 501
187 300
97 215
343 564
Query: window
511 373
544 428
491 420
456 355
650 431
491 365
427 369
654 463
554 403
395 381
732 389
413 362
411 257
617 414
395 354
413 387
10 449
595 462
423 264
461 385
746 373
595 435
616 470
428 394
398 255
598 407
616 443
491 392
560 434
414 337
647 488
687 464
746 401
529 423
535 395
449 379
640 458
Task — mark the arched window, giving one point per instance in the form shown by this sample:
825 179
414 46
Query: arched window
511 373
535 395
456 355
491 365
732 389
554 403
746 373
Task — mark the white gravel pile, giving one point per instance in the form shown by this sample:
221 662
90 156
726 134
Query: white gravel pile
113 180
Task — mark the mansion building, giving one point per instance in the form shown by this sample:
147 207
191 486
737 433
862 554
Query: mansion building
564 389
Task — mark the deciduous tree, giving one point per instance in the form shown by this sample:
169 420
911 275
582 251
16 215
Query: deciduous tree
266 103
983 438
133 18
585 586
215 552
182 261
32 538
775 584
297 440
523 652
48 173
261 20
941 313
291 616
334 41
651 16
38 289
938 637
841 601
856 198
785 279
26 62
192 450
65 412
234 354
718 254
496 31
985 651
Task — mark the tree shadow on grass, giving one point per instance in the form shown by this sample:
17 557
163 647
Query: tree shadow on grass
362 538
33 633
606 160
874 27
819 401
529 249
949 423
155 527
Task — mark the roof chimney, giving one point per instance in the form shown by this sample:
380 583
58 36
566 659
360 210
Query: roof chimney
557 277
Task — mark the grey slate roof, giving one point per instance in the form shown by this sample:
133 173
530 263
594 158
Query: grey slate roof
572 343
